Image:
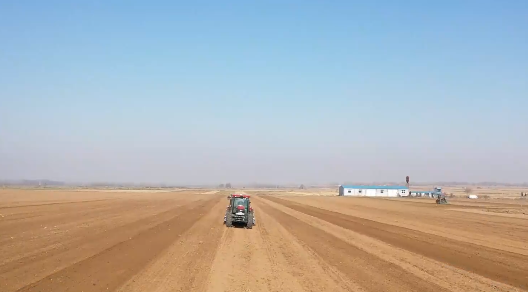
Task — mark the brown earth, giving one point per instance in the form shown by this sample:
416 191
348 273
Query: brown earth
175 241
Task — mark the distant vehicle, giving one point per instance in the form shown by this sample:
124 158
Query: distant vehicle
239 212
441 199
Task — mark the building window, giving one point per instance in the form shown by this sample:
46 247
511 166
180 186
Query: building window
403 191
382 191
359 191
349 191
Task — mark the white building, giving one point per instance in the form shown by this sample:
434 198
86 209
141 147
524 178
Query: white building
373 191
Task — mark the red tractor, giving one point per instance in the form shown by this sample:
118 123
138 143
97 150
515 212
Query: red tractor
239 212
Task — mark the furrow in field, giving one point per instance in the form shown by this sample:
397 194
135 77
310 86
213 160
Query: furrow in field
498 265
297 261
441 274
23 206
185 265
508 234
55 252
268 259
367 270
61 226
242 264
110 268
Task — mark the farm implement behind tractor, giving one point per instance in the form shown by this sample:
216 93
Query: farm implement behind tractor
441 199
239 212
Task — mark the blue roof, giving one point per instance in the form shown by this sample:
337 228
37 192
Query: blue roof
375 187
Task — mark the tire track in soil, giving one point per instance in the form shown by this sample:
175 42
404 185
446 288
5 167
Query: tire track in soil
245 261
368 271
501 266
16 223
25 226
109 269
187 262
232 269
49 259
296 263
430 270
55 203
446 221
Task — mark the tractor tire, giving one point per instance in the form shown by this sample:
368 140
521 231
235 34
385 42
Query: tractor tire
249 224
229 220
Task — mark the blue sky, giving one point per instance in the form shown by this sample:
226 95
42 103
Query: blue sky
268 91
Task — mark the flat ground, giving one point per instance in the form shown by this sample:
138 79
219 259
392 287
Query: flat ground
175 241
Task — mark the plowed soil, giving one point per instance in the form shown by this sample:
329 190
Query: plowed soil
176 241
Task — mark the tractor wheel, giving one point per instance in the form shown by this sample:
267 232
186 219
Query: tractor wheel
249 224
229 220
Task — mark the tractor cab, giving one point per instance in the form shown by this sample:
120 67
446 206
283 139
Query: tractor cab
239 203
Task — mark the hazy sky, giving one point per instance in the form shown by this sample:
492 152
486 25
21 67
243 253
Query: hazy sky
264 91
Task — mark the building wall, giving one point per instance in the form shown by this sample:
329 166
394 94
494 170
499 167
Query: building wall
372 192
352 192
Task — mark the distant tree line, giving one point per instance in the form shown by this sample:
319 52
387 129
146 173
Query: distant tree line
225 186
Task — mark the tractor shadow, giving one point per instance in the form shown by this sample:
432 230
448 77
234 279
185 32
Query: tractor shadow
239 226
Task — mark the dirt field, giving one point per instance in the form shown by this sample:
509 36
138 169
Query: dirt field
175 241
